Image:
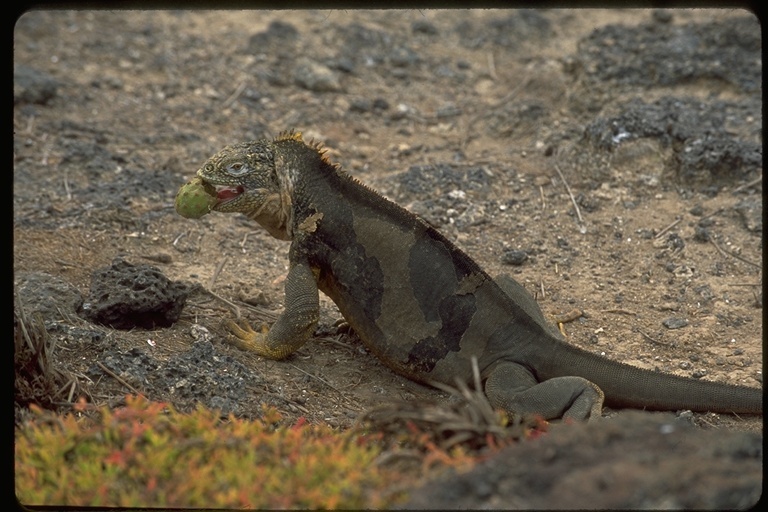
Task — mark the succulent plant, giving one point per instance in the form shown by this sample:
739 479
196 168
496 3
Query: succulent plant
195 199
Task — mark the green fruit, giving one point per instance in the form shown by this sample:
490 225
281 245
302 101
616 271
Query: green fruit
195 199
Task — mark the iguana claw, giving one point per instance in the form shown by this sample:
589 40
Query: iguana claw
246 338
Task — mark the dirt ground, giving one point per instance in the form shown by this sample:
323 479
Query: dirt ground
609 160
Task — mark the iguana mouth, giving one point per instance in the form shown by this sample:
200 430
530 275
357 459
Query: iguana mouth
225 194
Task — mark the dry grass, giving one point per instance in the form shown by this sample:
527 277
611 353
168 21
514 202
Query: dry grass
37 381
453 432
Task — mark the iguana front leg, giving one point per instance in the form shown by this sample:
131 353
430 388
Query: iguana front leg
512 387
294 327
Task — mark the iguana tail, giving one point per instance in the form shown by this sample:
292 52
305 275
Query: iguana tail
629 386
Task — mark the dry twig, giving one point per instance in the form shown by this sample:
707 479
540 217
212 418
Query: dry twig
118 378
216 272
238 91
492 67
725 254
752 183
340 392
229 303
670 226
570 194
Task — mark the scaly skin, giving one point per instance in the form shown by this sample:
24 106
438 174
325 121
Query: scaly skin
419 303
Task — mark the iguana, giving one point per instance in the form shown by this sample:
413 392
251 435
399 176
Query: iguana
417 301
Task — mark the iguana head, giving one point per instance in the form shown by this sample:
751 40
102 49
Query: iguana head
246 181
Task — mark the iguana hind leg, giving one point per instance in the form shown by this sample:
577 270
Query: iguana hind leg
513 387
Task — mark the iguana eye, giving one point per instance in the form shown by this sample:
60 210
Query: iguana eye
236 169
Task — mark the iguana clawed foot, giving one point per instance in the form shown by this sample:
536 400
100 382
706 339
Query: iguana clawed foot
342 327
513 387
262 342
245 338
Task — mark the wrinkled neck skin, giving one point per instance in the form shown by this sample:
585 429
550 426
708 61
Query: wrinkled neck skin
276 212
276 215
272 217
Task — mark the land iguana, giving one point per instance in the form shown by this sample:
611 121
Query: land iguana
418 302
